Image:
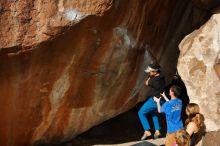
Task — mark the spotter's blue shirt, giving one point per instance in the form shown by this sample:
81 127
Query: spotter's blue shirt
172 110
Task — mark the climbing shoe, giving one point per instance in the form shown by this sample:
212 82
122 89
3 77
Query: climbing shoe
146 135
157 134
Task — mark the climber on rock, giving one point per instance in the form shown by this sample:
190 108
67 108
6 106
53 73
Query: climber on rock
156 81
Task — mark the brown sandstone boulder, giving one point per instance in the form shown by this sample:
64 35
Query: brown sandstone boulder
67 66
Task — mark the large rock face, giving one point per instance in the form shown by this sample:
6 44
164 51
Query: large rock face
69 65
199 65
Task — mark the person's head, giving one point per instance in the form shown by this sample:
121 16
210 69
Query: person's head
192 108
182 138
153 69
193 113
175 91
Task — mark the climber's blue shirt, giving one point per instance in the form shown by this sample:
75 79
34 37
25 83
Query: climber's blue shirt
172 109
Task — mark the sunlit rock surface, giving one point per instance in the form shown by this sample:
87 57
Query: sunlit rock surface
198 65
66 66
28 23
